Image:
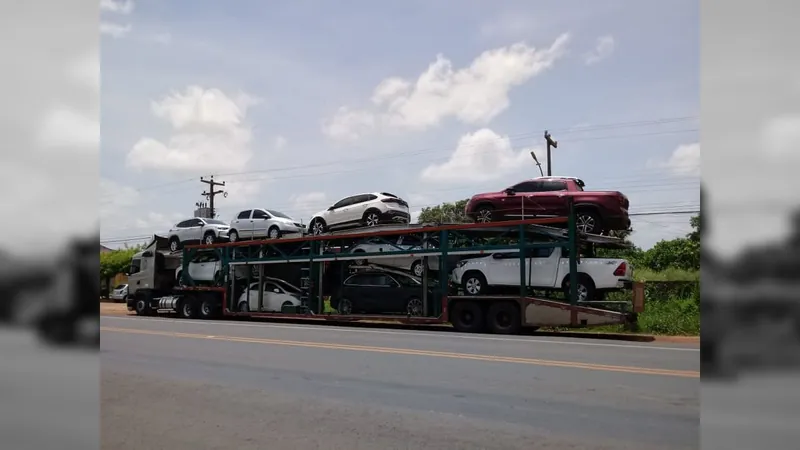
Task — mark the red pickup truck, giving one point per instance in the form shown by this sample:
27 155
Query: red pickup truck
597 211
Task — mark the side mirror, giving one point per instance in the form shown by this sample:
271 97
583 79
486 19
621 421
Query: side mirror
330 208
147 254
276 290
509 191
127 274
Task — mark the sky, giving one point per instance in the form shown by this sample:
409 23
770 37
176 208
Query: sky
296 104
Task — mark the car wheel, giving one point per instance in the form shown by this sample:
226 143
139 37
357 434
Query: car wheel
588 222
317 227
174 244
474 283
417 269
244 307
209 238
483 214
360 262
285 304
233 236
586 288
274 233
414 307
371 219
345 307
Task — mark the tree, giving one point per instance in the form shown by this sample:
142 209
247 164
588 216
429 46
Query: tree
115 262
445 213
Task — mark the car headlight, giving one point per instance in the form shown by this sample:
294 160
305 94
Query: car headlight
461 263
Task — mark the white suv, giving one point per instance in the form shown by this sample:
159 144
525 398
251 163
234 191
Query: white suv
547 269
361 210
259 223
207 231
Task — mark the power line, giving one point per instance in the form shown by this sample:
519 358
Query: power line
526 135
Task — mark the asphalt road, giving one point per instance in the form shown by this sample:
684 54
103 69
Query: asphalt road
174 384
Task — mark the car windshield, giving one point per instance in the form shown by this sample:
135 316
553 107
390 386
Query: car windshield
408 281
278 214
120 286
287 287
214 222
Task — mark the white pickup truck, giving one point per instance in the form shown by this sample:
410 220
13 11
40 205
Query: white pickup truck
546 269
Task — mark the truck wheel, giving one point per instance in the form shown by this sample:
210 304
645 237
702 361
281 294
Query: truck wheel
208 308
504 318
188 309
142 306
174 244
473 283
467 317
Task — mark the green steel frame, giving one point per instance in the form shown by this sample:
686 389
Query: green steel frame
442 241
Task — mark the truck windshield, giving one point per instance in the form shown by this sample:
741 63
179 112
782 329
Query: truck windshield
278 214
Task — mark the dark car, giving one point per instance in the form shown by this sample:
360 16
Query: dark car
597 211
380 293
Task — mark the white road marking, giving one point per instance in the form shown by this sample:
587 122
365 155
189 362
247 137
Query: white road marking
440 335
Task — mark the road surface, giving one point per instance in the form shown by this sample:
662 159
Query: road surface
176 384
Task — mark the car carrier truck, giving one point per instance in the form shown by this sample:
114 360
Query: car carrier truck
323 269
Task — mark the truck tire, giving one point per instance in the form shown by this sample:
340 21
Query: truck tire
188 308
504 318
208 308
142 305
467 317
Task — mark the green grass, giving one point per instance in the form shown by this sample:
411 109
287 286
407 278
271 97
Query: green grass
666 275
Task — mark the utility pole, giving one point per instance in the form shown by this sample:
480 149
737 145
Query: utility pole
550 143
211 192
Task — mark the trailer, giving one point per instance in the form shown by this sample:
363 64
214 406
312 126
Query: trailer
319 278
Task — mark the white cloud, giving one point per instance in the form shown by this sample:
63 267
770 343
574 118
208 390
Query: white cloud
604 47
348 125
480 156
781 136
209 133
115 30
474 95
116 6
683 162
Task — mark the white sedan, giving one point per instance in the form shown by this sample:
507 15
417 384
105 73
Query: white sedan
277 294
